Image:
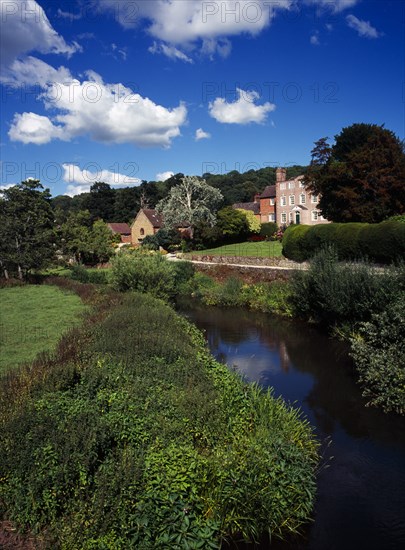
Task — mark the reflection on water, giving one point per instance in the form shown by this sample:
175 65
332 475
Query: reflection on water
361 494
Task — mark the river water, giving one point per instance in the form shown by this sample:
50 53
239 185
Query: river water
361 486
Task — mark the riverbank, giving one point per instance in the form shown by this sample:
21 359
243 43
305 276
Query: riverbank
138 438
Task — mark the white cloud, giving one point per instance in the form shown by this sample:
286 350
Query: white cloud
363 28
7 186
80 180
69 15
32 71
188 22
242 111
108 113
163 176
169 51
33 128
200 134
314 39
26 28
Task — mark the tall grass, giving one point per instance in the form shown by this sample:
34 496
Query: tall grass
141 440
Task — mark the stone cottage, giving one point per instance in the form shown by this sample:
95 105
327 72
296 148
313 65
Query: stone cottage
147 222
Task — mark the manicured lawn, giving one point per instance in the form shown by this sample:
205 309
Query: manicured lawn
32 319
264 249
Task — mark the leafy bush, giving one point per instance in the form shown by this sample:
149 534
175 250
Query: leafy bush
268 229
294 242
379 354
337 295
93 276
383 242
144 441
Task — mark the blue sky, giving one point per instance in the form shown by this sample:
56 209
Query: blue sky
125 90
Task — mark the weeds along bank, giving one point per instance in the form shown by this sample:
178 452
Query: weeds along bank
134 437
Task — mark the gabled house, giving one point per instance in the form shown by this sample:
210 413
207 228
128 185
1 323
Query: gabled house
147 222
121 229
267 203
252 206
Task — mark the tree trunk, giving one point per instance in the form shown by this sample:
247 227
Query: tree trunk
20 273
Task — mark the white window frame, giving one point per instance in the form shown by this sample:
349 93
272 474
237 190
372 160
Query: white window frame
303 198
271 202
314 199
283 200
272 217
292 200
283 217
315 215
301 184
291 185
282 185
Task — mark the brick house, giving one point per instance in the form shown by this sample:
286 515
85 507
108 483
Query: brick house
121 229
252 206
287 202
294 203
147 222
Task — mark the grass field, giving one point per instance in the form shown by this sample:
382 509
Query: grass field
264 249
32 319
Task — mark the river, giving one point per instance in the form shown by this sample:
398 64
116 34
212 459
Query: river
361 484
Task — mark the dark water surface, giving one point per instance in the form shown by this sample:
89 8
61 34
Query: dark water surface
361 494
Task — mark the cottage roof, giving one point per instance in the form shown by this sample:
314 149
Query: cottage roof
269 192
120 228
253 206
154 217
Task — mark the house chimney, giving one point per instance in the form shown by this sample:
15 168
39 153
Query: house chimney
281 175
256 198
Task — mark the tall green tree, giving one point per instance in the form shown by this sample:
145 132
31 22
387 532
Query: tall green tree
361 178
27 237
100 202
190 202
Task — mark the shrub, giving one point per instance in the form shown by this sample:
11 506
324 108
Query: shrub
268 229
342 295
93 276
383 242
294 245
379 354
144 272
346 240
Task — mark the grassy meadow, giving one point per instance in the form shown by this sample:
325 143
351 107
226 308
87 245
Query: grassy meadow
263 249
32 320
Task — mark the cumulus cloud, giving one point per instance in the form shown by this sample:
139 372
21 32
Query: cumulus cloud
200 134
241 111
80 180
32 71
363 28
33 128
163 176
108 113
314 39
26 28
169 51
188 22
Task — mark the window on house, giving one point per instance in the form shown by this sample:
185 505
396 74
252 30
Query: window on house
303 198
282 185
292 200
272 217
283 217
291 185
314 215
290 217
283 200
271 202
314 199
301 184
142 231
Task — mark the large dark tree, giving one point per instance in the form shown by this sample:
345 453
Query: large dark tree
26 228
100 202
361 178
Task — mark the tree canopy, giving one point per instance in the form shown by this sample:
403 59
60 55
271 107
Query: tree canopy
26 229
190 202
361 178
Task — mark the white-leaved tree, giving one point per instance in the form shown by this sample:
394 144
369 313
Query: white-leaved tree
190 202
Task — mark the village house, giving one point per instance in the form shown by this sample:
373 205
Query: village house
147 222
121 229
252 206
287 202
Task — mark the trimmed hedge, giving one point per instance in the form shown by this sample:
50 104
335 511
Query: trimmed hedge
383 242
268 229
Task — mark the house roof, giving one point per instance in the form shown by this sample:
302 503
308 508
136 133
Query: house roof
253 206
121 228
154 217
269 192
